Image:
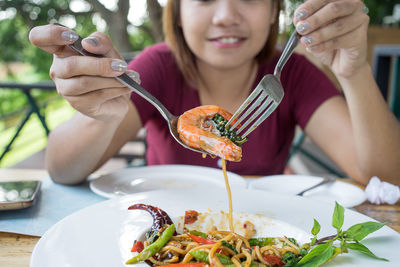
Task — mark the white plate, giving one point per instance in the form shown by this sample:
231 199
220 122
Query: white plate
134 180
102 235
345 194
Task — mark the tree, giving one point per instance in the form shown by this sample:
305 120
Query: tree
26 14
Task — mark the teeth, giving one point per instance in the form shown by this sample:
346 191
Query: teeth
229 40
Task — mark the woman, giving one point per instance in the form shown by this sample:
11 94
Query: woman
217 52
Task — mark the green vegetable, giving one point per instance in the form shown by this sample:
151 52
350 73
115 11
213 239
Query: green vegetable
326 248
316 228
229 245
154 247
317 256
261 241
220 124
203 257
358 231
198 233
338 216
290 259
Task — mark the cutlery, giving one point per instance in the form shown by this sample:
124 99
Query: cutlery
266 97
326 180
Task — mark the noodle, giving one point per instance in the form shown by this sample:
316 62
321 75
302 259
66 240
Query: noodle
228 189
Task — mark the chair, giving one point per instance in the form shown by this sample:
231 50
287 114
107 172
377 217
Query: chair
386 70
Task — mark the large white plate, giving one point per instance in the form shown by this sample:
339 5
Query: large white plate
134 180
102 235
346 194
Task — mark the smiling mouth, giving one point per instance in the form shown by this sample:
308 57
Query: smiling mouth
228 40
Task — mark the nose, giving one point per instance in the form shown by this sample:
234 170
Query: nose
226 13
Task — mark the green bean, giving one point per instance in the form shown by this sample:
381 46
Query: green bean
198 233
154 247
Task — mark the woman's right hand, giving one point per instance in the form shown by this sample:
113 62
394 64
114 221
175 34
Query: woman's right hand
87 83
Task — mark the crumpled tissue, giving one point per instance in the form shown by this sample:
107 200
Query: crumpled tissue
379 192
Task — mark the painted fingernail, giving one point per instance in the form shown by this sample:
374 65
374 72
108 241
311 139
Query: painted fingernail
313 47
119 65
135 76
301 14
93 41
69 36
302 27
306 40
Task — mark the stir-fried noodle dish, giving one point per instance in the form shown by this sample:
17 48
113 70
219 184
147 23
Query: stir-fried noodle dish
193 248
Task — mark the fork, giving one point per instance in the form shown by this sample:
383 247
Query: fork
266 97
137 88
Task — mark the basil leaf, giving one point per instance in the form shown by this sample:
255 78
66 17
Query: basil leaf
316 228
317 256
357 232
360 247
338 216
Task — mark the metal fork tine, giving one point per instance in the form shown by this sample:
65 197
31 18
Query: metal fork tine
271 108
255 115
242 107
255 104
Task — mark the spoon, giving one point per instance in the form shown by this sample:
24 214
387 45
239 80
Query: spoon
326 180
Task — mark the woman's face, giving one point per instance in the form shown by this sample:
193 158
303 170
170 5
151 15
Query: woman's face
226 33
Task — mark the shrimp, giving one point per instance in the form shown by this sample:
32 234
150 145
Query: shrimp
197 130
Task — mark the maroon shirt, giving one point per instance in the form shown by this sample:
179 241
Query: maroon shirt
267 150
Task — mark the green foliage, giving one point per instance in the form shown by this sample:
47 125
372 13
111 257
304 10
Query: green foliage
325 249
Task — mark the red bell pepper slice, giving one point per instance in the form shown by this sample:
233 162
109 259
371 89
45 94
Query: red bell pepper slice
201 240
137 247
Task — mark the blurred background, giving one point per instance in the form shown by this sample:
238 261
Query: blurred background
30 106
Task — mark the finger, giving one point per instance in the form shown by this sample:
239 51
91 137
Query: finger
83 65
85 84
334 30
53 38
347 40
134 75
100 43
327 14
96 98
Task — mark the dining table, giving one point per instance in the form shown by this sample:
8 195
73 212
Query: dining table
16 249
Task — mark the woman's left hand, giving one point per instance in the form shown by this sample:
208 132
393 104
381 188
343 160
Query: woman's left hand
335 31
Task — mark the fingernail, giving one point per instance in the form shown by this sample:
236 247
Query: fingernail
135 76
93 41
313 47
301 14
69 36
302 27
306 40
119 65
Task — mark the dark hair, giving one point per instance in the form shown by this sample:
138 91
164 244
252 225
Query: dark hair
184 56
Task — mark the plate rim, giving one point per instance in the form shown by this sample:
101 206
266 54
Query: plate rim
254 182
238 179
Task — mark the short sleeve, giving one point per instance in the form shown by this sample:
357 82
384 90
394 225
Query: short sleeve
310 88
